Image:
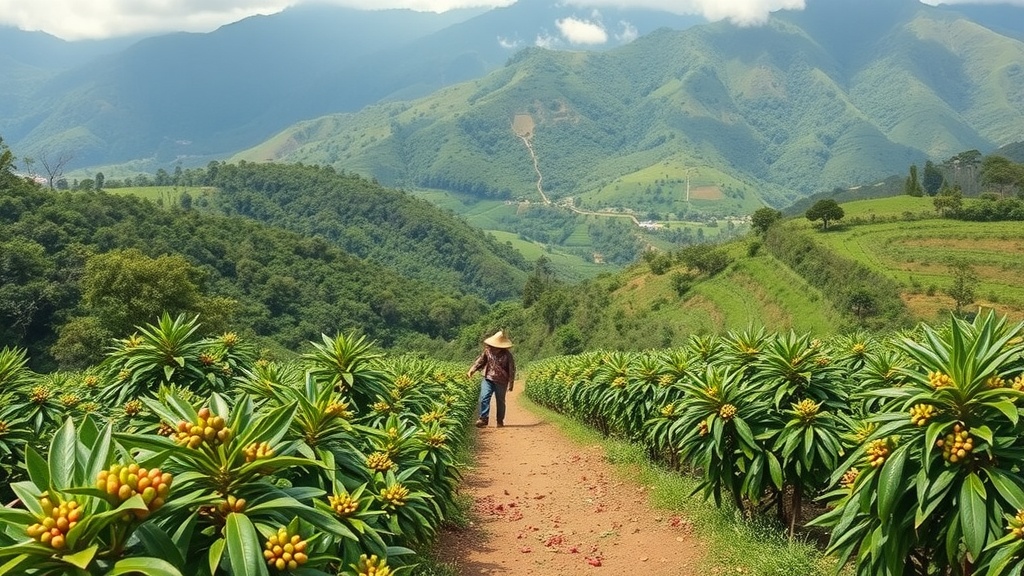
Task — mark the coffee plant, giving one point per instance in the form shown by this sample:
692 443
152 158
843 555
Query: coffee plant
911 446
182 455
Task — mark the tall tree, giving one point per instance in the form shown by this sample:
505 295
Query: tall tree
763 219
54 165
1002 174
826 210
911 186
965 279
933 179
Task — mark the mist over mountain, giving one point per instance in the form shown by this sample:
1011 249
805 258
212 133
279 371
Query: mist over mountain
192 97
837 94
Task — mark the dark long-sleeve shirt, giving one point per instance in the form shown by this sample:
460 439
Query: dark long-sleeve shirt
498 365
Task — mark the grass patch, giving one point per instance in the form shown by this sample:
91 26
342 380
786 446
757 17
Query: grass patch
758 547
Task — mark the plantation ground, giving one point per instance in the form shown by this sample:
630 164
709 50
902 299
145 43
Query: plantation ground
544 505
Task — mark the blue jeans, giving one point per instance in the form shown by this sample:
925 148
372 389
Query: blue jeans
488 389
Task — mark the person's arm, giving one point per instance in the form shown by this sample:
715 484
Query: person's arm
478 364
511 371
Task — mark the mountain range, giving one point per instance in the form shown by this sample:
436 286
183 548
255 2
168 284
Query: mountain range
839 93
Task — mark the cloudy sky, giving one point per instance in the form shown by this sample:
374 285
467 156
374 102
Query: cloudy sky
79 19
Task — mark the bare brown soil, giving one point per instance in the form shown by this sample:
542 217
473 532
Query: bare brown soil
706 193
933 307
544 505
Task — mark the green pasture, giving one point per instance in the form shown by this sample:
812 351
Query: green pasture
567 265
168 195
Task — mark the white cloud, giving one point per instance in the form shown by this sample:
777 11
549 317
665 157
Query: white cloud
545 40
628 34
742 12
508 43
76 19
577 31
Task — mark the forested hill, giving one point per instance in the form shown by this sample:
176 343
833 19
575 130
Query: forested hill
79 268
385 226
840 93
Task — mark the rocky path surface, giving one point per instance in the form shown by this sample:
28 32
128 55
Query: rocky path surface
545 505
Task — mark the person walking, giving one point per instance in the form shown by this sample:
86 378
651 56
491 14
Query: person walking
499 370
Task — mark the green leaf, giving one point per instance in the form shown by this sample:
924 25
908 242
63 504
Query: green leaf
1008 409
38 471
1007 486
775 469
62 457
244 551
158 543
168 373
890 483
83 558
143 565
973 516
216 552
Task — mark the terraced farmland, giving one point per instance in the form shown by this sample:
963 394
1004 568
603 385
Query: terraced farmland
917 255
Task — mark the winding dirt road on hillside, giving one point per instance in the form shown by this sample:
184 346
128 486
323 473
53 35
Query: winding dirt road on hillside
544 505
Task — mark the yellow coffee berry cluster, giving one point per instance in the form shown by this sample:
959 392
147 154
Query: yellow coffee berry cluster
210 429
939 380
229 339
380 407
432 416
70 400
132 408
877 452
122 482
666 380
711 391
373 566
343 504
55 522
39 394
727 411
702 428
338 410
859 348
394 495
257 451
231 504
379 462
285 551
1016 525
619 382
4 428
207 359
404 382
91 381
806 409
436 439
920 414
1018 383
849 478
995 381
822 361
668 410
957 445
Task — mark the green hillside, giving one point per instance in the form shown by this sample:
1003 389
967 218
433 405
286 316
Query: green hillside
747 115
884 267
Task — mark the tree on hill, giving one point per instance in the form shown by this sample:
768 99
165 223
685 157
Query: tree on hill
763 219
949 201
933 179
965 279
1002 174
912 187
826 210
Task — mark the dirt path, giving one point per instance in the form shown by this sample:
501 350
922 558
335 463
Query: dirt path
544 505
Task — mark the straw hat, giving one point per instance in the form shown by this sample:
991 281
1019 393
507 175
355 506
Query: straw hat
499 340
